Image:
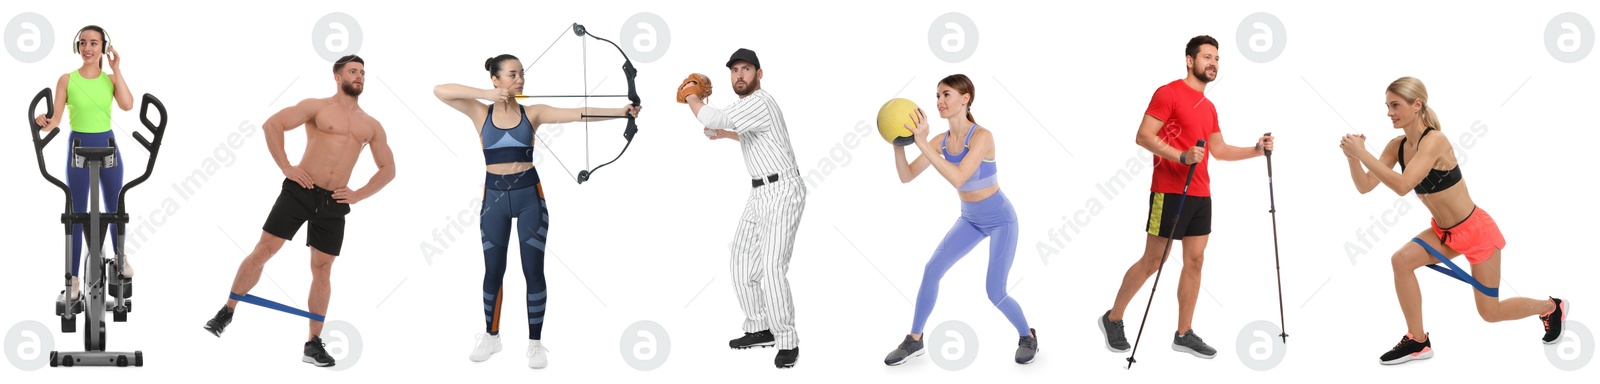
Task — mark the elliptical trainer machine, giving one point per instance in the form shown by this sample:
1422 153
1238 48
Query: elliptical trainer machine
105 289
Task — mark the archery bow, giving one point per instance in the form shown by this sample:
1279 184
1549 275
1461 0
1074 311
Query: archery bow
633 95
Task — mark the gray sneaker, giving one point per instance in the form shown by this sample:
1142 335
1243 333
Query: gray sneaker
1116 341
1027 346
1191 343
908 349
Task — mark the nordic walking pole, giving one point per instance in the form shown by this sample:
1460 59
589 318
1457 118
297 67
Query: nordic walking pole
1283 328
1184 196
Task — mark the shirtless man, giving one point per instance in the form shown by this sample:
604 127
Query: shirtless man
316 190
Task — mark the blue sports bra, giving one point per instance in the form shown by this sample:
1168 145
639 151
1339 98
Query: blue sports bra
984 177
507 145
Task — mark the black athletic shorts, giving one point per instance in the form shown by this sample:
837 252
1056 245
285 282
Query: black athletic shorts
1195 220
297 205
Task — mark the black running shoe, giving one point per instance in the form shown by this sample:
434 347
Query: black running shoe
1552 329
1027 346
315 354
220 321
1407 350
752 340
787 357
908 349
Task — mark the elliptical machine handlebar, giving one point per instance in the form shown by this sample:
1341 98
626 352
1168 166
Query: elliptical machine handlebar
153 146
39 143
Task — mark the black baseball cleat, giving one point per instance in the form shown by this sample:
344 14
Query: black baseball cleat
760 339
787 357
1554 321
220 321
315 354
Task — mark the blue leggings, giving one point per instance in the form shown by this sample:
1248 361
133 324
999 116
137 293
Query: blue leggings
993 218
78 182
505 197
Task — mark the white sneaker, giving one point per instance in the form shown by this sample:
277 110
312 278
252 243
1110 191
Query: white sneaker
538 356
127 267
487 345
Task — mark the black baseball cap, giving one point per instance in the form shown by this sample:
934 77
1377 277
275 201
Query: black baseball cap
746 55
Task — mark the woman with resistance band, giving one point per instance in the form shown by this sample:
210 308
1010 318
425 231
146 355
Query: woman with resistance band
964 156
1428 166
87 94
511 189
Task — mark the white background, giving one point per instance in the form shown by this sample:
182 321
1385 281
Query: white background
1062 85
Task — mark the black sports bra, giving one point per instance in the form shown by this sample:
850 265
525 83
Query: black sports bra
1437 180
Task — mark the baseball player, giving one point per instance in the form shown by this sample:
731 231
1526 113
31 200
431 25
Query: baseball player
765 239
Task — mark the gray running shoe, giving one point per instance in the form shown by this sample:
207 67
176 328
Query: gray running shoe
908 349
1116 341
1191 343
1027 346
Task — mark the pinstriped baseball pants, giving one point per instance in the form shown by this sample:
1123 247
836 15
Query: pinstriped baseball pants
760 254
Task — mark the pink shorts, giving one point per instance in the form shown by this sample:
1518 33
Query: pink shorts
1477 237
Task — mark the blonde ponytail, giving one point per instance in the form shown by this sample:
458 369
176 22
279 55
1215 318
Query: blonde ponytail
1432 119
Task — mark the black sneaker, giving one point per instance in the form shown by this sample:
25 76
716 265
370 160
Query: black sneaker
1552 329
220 321
908 349
761 339
787 357
315 354
1192 344
1407 350
1027 346
1116 341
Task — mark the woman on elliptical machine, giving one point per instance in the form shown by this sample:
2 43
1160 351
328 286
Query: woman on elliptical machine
87 94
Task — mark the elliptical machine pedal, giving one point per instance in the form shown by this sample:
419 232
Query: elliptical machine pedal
119 286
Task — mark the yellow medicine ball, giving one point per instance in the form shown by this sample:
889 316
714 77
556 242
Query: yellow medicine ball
892 121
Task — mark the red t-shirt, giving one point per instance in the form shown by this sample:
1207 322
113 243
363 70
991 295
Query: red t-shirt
1188 117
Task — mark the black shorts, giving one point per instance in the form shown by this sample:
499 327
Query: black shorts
1195 220
297 205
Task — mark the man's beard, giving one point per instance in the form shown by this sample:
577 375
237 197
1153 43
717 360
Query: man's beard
350 89
1200 73
749 88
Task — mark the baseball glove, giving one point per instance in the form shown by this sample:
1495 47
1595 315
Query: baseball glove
695 84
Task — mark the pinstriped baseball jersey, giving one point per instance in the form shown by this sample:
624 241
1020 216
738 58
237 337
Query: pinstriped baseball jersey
763 136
